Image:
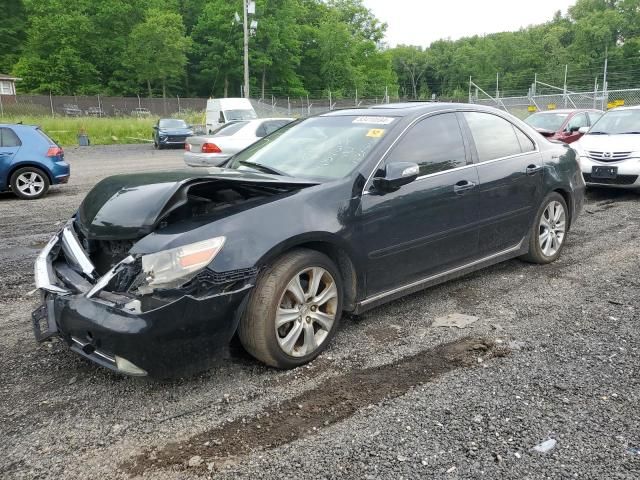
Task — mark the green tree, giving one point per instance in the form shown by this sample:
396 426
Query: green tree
12 32
157 49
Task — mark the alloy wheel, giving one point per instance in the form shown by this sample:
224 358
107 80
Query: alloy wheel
306 312
552 228
30 184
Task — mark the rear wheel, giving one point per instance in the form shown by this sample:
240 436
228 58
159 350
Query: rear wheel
29 183
549 230
294 310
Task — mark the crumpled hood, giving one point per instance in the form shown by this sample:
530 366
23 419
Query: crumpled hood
124 207
610 143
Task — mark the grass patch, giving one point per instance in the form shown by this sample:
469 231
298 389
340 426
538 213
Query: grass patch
101 131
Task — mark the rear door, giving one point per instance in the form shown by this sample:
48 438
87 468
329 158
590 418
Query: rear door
9 146
429 225
510 173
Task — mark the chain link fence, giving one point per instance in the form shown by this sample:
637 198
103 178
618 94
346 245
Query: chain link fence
522 106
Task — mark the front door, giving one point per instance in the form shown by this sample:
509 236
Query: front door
427 226
510 172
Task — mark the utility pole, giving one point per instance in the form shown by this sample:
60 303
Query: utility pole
605 87
245 28
564 91
497 85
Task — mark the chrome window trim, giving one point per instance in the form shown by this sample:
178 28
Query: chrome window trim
430 278
368 184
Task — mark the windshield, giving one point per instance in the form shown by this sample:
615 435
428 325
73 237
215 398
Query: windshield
172 123
547 121
318 148
617 122
231 115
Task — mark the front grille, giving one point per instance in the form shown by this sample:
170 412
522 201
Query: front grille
608 156
619 180
174 138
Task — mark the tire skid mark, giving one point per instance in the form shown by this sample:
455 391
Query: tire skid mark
334 400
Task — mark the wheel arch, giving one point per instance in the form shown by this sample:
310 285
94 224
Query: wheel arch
334 248
23 164
568 198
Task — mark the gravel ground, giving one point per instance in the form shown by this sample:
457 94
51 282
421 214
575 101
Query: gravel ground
554 354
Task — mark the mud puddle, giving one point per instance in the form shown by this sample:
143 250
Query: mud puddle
332 401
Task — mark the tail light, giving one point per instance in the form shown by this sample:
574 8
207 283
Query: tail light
55 152
210 148
187 146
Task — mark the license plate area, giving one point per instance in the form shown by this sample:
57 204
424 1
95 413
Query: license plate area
44 321
604 172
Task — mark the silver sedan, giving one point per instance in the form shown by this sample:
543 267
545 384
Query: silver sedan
213 150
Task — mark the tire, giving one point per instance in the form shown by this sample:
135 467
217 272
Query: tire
293 344
29 183
543 248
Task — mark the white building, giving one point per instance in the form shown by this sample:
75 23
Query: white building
8 84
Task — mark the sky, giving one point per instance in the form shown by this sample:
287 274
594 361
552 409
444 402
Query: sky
420 22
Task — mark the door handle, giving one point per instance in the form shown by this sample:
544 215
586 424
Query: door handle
533 169
463 186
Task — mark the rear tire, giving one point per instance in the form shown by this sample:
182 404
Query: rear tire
549 230
29 183
285 326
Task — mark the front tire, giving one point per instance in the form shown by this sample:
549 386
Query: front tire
29 183
294 310
549 230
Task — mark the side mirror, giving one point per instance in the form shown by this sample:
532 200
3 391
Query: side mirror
574 128
396 175
155 127
583 130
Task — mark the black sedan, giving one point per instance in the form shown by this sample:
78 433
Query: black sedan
336 213
171 132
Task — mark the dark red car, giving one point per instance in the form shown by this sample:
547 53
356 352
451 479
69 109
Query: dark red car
563 125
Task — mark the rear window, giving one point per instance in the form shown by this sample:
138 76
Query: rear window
229 129
46 137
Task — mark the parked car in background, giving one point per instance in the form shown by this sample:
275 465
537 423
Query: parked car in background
95 112
140 112
213 150
223 110
338 212
563 125
30 161
610 151
171 132
71 110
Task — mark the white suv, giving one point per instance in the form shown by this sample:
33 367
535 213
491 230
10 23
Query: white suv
610 150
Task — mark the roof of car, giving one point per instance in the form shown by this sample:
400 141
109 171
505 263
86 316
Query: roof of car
18 125
570 110
633 107
407 109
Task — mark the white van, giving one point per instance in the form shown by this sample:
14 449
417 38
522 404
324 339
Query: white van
223 110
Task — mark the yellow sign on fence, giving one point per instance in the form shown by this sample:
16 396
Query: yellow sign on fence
551 106
532 108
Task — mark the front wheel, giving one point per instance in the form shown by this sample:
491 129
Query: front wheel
549 231
294 310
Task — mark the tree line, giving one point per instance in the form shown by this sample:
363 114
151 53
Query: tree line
300 47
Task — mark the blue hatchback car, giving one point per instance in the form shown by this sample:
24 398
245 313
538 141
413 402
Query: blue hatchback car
30 161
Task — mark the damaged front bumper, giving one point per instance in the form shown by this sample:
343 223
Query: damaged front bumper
123 332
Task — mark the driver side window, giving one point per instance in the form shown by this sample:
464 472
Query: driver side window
577 122
435 144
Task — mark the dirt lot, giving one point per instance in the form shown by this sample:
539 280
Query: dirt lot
554 354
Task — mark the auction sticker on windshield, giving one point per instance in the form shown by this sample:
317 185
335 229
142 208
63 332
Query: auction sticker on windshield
375 132
374 120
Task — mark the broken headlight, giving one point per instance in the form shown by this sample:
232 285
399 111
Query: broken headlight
175 267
